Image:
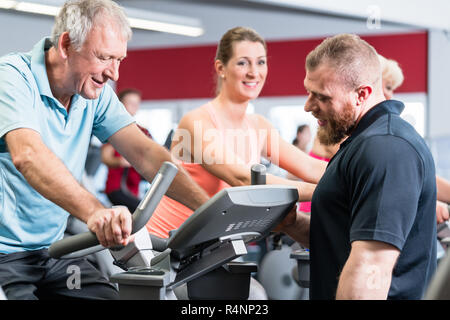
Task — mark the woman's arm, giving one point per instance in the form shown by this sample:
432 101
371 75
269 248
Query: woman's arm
206 147
288 157
443 189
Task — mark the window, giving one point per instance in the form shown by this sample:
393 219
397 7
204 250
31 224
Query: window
157 121
414 113
287 118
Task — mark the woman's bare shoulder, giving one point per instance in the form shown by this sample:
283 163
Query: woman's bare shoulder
199 114
259 121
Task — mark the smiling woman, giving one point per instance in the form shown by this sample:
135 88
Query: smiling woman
218 142
246 71
237 37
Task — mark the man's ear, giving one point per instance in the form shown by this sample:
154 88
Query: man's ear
64 44
362 94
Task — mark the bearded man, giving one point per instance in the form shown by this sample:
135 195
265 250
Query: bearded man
372 229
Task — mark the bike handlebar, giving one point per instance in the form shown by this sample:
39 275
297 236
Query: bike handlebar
141 215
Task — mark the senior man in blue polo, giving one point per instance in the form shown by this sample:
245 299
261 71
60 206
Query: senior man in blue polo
52 99
372 230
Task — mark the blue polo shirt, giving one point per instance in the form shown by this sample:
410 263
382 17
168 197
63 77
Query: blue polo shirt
380 186
28 221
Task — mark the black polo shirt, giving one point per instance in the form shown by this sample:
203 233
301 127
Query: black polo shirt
380 185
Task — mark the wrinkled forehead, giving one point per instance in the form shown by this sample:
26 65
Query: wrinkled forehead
107 39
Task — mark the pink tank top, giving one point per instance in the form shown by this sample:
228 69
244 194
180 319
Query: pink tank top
306 206
170 214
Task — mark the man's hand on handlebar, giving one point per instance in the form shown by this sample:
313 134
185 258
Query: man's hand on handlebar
112 226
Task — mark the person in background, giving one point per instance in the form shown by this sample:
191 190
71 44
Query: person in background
122 183
303 137
392 76
301 141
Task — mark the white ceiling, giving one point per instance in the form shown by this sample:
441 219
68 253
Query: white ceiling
274 20
433 14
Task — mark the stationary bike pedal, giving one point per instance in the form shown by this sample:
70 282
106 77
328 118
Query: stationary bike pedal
146 271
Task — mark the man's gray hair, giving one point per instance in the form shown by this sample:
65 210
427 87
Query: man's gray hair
78 16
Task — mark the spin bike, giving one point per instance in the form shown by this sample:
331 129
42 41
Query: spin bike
200 253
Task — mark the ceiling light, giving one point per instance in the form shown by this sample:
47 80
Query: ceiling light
7 4
139 19
165 27
37 8
156 21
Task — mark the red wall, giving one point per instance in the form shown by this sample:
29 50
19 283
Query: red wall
188 72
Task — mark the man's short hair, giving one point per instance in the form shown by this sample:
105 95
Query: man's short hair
355 61
78 16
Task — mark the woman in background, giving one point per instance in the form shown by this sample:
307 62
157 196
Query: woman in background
122 183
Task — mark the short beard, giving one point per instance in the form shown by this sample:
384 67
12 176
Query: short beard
338 127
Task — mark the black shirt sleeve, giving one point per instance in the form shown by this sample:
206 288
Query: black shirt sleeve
386 179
